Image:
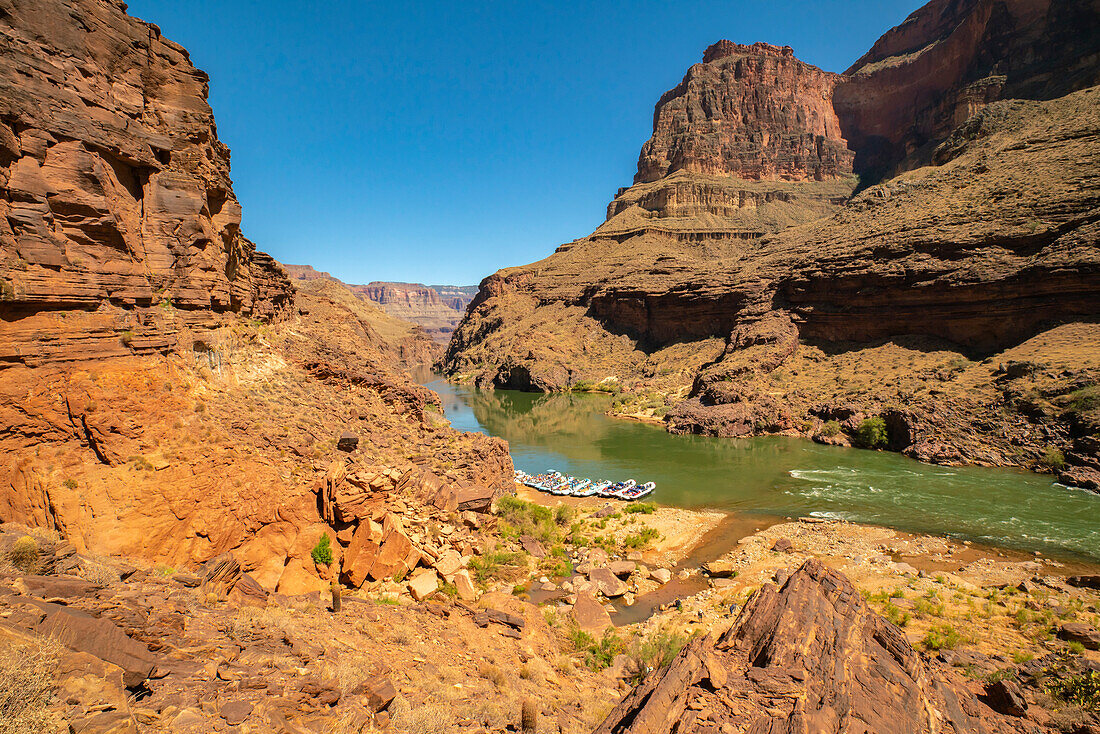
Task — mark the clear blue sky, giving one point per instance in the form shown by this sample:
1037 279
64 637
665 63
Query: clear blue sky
440 141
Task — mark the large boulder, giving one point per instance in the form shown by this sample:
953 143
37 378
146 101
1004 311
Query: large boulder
589 615
99 637
810 657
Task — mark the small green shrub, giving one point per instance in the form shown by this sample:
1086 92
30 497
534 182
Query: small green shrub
642 539
1081 690
322 552
942 637
831 428
563 515
496 565
1053 459
1085 399
871 433
641 508
24 554
655 652
127 338
69 484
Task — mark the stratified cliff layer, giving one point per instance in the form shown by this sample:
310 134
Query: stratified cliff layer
731 293
116 194
164 393
436 309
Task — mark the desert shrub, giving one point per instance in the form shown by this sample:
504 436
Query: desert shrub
831 428
495 565
322 552
24 554
641 539
598 654
563 515
641 508
69 484
526 518
26 686
655 652
1081 690
871 433
894 613
942 637
1085 399
1053 459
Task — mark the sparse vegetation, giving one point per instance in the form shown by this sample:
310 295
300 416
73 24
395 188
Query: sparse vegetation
69 484
831 428
655 651
598 654
1085 399
24 554
496 565
942 637
1053 459
641 508
1081 690
871 433
322 552
26 686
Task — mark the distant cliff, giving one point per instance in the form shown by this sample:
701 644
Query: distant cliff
437 308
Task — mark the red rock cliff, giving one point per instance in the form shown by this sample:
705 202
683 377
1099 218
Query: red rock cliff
753 112
115 192
949 59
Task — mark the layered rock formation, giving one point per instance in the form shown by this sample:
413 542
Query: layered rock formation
807 657
437 309
164 393
740 273
116 193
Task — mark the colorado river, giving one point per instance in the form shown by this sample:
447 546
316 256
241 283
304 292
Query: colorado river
777 476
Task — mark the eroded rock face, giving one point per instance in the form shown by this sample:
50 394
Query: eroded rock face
951 58
115 193
753 112
809 657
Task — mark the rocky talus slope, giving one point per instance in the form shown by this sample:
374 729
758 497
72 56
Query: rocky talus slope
807 657
116 196
436 309
743 285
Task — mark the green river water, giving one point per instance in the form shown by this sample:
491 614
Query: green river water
777 476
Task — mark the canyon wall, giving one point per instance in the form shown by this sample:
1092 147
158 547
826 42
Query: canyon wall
116 193
747 257
437 309
165 391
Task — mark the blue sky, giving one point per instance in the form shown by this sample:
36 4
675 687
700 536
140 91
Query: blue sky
437 141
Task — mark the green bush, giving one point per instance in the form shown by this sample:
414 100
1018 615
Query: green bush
1085 399
69 484
641 508
496 565
871 433
655 652
322 552
1053 459
642 539
598 654
942 637
1080 690
831 428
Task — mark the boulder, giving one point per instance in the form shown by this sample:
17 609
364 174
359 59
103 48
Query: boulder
220 574
378 692
448 564
1080 632
475 499
783 545
532 546
622 569
423 585
1006 697
248 592
99 637
465 585
661 575
589 615
1084 582
348 441
719 568
607 582
810 657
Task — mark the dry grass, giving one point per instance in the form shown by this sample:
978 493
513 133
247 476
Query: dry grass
27 681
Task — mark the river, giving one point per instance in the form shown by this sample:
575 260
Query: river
784 477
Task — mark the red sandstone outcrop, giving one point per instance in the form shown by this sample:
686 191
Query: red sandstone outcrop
753 112
116 195
808 657
949 59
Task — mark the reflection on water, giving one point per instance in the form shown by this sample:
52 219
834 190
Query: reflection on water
782 476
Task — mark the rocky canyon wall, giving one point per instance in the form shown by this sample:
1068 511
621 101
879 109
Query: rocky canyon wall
116 193
437 309
746 242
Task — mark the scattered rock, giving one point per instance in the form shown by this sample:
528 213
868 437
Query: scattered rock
1080 632
607 582
423 585
348 441
1006 697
